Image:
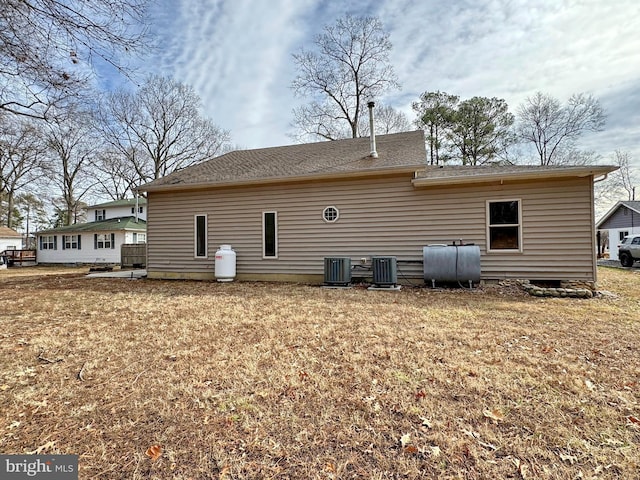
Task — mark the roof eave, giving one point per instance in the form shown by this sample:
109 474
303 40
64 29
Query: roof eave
512 176
295 179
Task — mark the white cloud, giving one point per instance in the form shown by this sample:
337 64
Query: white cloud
237 55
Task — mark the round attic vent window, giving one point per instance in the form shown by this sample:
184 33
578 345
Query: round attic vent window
330 214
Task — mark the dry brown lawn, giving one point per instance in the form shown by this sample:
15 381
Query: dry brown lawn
258 380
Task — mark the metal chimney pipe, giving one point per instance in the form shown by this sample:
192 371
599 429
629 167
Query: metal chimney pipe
372 135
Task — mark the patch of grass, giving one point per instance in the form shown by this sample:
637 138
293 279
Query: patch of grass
258 380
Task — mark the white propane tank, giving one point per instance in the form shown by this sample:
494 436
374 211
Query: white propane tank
225 267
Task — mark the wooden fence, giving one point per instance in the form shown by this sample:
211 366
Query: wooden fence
133 255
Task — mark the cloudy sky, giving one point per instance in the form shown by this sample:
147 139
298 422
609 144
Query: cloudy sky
237 55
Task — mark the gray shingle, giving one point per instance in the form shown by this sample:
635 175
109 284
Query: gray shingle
323 158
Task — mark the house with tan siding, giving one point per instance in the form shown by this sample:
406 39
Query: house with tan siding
284 209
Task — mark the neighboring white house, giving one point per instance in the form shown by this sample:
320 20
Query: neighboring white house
9 239
621 220
117 209
99 241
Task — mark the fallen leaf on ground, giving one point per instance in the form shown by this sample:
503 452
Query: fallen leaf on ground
495 414
410 449
154 452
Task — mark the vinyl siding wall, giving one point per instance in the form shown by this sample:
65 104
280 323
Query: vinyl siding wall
623 218
14 243
378 216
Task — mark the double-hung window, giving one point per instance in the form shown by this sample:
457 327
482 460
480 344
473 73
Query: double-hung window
504 225
71 242
48 242
103 240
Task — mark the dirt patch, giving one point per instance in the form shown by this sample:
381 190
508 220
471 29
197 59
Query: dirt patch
258 380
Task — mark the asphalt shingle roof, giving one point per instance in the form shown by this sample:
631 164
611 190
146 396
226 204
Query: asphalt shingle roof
108 225
398 150
6 232
632 204
349 157
461 174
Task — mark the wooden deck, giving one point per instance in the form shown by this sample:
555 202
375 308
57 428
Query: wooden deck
18 257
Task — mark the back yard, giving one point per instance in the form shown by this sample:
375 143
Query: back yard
197 380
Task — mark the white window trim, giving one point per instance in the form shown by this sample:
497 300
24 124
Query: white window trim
195 236
106 241
324 211
488 226
48 242
71 242
264 243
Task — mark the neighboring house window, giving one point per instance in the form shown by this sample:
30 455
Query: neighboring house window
140 209
71 242
139 237
622 235
133 209
104 240
100 215
269 234
330 214
48 242
504 230
200 236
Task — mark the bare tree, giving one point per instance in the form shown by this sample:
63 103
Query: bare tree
552 127
349 66
47 48
436 112
71 142
115 176
159 130
625 177
387 120
20 162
